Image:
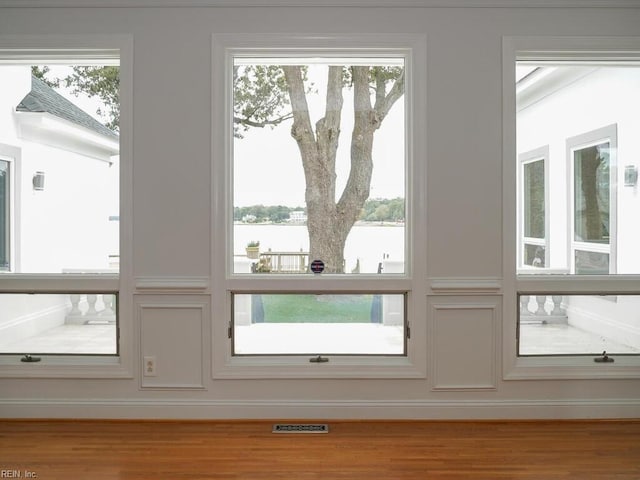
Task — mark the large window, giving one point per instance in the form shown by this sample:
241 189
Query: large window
319 199
576 219
319 192
59 200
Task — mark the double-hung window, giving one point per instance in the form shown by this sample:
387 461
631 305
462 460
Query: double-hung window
316 263
569 137
61 166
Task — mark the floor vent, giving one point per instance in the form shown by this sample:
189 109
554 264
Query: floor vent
300 428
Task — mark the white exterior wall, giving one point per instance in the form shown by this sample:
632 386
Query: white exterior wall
565 114
170 275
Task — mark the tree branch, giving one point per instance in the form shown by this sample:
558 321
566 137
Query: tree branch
384 103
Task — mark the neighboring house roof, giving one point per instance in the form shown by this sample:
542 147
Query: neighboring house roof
43 98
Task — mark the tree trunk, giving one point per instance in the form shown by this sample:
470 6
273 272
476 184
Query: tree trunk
329 222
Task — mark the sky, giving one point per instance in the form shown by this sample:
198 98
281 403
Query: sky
268 167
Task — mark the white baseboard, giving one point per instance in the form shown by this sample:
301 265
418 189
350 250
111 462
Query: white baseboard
344 410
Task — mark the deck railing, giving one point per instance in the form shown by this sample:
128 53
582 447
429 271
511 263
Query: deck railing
542 309
91 308
282 262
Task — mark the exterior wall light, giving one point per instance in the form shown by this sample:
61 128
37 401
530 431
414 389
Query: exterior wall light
38 181
630 176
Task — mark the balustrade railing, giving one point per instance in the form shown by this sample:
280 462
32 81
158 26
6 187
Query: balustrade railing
91 309
282 262
542 309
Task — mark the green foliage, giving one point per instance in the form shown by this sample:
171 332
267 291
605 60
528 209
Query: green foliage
273 213
103 82
383 210
42 72
260 97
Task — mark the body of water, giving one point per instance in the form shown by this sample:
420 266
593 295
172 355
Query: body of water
367 242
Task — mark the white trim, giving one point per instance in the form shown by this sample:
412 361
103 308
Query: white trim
224 364
465 286
559 367
322 3
121 366
462 304
153 285
207 409
202 308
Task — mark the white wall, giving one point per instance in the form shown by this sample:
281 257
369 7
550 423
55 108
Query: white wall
172 226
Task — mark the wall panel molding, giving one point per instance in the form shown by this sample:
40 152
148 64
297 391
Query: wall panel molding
168 285
472 324
465 285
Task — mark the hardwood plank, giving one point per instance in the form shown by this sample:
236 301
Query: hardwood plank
134 450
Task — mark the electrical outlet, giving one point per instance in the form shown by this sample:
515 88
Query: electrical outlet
150 366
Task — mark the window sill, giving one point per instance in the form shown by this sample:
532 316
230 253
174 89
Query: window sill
299 367
64 367
572 367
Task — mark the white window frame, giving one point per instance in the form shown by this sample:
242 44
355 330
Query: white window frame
225 283
605 134
12 156
537 155
552 50
69 49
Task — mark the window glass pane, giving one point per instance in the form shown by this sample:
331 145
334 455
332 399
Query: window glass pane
578 324
64 120
591 192
282 324
534 255
534 204
318 164
591 263
4 215
582 114
82 324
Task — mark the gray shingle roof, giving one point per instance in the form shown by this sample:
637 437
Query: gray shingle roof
43 98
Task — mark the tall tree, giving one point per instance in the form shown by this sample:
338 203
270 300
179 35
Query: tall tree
269 95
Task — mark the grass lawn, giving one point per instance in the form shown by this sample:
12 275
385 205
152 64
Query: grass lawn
288 308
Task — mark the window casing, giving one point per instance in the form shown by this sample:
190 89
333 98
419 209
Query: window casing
563 289
32 286
240 284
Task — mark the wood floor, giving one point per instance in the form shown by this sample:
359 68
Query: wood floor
132 450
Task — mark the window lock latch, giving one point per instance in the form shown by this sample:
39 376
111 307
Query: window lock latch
29 359
319 359
604 358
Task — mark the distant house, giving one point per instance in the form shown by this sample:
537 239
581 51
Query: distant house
297 216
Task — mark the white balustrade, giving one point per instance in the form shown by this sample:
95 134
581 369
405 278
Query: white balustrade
542 309
91 309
